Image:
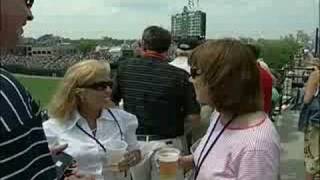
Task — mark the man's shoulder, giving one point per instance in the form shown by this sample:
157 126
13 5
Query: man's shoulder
6 75
178 70
7 79
146 62
181 63
130 60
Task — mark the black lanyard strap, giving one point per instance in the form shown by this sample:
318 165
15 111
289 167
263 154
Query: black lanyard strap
95 139
202 159
92 137
117 122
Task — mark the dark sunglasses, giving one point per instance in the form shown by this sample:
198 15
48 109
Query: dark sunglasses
29 3
194 72
99 86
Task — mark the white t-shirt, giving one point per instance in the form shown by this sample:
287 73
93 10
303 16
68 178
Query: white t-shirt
182 63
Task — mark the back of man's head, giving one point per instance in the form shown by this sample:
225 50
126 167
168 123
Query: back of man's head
156 38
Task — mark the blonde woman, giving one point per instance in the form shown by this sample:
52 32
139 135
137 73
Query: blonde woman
78 117
241 142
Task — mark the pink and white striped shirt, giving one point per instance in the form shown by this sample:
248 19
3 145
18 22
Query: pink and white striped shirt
249 153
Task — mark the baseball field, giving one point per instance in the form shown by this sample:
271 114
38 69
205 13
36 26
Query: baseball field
41 88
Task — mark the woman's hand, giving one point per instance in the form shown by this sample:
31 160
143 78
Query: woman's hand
186 162
72 169
56 149
130 159
80 177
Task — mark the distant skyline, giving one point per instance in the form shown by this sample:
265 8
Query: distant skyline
126 19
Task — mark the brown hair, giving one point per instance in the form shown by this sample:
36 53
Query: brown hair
156 38
229 69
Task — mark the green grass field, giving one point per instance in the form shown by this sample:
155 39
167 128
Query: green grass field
40 88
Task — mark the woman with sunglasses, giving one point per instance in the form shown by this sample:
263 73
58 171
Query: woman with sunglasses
78 117
241 142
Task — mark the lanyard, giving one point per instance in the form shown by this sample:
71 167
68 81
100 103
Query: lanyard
202 159
117 122
95 139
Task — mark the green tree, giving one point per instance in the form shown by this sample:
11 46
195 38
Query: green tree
277 53
302 37
86 46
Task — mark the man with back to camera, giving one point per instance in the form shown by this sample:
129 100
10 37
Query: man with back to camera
159 94
183 51
24 149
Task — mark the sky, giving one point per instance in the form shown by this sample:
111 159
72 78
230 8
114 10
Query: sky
126 19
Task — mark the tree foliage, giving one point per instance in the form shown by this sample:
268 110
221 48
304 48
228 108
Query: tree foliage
277 53
86 46
303 38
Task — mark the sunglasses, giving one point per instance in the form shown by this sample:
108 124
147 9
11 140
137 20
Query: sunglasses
29 3
99 86
194 72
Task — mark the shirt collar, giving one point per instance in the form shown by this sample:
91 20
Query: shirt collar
77 118
156 55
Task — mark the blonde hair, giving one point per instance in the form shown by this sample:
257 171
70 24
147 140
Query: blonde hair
65 101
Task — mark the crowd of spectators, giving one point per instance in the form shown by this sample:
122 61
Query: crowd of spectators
51 62
62 62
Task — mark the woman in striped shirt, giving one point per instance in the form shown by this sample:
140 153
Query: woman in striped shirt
241 142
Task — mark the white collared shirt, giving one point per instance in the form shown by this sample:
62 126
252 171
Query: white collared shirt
182 63
89 155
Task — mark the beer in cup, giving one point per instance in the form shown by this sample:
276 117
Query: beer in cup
168 163
116 150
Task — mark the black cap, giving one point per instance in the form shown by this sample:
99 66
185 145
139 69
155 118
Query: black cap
188 44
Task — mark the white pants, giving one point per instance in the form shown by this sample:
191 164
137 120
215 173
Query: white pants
148 168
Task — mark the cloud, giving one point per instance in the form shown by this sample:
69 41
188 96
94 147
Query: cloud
128 18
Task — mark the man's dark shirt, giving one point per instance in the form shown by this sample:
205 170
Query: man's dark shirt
159 94
24 152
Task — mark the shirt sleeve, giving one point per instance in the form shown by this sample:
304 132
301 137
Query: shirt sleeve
191 106
130 133
50 132
259 164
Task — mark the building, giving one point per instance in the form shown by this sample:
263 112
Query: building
43 51
62 49
189 24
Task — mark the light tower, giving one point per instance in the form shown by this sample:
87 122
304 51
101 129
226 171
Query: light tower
192 6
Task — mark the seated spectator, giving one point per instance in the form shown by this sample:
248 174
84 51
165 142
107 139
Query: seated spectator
78 118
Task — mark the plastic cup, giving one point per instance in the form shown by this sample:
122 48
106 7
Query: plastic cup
115 152
168 162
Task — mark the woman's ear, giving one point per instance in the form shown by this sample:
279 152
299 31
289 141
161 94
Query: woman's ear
79 93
